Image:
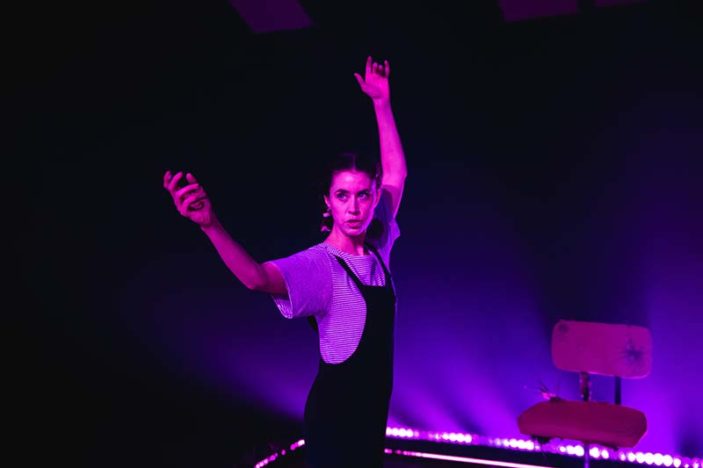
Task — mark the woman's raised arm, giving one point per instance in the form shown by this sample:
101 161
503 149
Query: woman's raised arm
375 84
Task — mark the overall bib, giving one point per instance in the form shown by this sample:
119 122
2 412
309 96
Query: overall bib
347 407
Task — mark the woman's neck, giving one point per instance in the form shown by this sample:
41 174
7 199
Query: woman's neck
350 245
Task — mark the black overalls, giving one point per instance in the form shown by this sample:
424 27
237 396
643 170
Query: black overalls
347 408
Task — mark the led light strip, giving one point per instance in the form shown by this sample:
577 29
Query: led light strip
458 438
575 450
272 458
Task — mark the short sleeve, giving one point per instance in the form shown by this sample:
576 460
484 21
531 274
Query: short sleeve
385 229
308 278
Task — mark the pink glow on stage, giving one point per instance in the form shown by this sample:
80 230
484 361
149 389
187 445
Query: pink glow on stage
264 16
615 2
519 10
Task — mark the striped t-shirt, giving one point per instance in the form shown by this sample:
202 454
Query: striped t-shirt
318 286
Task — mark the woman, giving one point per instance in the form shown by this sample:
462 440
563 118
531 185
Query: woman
343 285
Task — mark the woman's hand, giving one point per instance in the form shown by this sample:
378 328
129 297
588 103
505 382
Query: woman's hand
190 198
375 81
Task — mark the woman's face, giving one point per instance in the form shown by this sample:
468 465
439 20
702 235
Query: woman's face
352 199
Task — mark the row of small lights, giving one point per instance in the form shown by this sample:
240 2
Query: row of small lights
281 453
575 450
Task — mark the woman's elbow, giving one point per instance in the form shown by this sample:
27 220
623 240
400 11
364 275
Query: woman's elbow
269 280
254 285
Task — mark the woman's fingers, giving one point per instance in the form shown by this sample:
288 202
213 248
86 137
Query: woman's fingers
360 80
191 178
192 202
196 190
188 198
174 181
171 181
377 68
180 193
373 68
198 204
183 209
183 202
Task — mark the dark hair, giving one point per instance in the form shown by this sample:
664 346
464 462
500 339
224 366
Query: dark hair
347 161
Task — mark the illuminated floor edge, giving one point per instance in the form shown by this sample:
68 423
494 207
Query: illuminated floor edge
403 442
459 459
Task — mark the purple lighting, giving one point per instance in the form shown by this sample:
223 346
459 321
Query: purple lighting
615 2
402 433
595 453
295 445
575 450
264 16
518 10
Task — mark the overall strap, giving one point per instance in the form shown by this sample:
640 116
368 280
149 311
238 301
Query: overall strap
380 260
356 280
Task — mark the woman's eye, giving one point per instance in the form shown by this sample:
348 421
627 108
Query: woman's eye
341 196
364 195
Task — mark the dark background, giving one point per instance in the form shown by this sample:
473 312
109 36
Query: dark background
563 151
